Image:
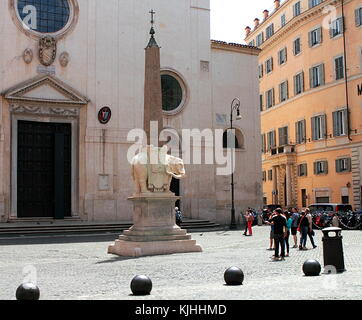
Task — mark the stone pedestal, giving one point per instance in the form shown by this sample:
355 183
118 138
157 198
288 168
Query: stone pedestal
154 231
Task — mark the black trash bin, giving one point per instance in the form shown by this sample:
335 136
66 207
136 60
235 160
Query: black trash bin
333 249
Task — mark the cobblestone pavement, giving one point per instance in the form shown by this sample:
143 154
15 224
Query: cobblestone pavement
83 270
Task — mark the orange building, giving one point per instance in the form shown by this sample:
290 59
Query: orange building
310 72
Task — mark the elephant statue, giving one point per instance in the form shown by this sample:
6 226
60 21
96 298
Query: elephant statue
153 170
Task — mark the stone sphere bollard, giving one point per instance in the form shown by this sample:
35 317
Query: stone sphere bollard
311 268
141 285
234 276
27 291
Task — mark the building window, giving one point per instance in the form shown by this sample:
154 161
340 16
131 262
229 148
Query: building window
283 20
358 17
343 165
316 76
339 67
232 139
345 200
340 123
252 43
299 83
297 48
44 16
320 167
172 92
269 31
297 9
260 70
270 175
271 141
302 170
259 39
313 3
300 132
269 65
264 175
315 37
270 98
261 102
282 56
283 91
319 127
283 136
336 27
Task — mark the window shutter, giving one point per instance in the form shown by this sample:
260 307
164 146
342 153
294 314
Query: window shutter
310 39
336 130
311 83
321 74
331 30
295 85
310 3
320 35
349 164
297 139
273 97
314 135
302 81
357 17
271 64
305 169
285 52
287 90
341 22
304 136
345 119
315 167
325 167
324 127
280 92
338 165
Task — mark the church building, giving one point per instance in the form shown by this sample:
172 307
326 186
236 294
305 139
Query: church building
72 76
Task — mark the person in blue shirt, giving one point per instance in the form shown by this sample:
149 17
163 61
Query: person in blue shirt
294 228
289 227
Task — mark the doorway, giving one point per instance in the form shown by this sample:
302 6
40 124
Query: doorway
44 170
175 188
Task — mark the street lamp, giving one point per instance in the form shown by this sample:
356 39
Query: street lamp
235 105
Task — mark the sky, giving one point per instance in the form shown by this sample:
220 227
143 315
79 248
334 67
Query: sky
230 17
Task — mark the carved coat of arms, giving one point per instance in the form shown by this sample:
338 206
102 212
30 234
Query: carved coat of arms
47 50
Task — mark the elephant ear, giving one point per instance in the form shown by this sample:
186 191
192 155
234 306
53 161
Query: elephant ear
172 169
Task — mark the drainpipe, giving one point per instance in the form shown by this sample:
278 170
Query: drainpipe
345 74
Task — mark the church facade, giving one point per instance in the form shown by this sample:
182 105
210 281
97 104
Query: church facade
72 88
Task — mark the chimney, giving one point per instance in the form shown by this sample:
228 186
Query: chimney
256 22
266 14
247 31
276 4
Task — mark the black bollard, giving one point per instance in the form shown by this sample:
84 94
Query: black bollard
234 276
311 268
27 291
141 285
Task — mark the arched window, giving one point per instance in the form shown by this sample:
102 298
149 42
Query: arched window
229 138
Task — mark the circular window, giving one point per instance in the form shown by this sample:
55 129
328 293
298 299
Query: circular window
39 17
174 92
171 93
44 16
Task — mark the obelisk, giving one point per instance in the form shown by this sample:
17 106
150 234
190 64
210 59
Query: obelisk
154 229
152 89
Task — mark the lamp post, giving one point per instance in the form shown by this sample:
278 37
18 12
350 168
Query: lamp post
235 105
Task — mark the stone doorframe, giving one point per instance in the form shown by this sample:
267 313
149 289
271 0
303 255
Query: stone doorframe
45 99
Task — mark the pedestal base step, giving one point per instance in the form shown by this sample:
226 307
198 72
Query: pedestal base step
137 249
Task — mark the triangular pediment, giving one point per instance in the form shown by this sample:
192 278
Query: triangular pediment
45 89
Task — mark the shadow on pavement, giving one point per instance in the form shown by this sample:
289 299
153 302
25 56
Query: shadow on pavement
58 239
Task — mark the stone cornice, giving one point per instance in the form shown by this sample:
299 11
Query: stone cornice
293 23
235 47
